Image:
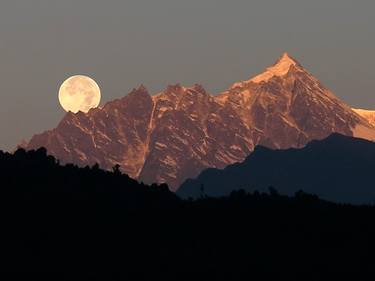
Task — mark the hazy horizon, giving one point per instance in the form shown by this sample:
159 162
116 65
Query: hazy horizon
122 44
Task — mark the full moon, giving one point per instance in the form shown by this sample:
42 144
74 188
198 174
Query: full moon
79 93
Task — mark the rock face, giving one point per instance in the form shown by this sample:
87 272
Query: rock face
177 133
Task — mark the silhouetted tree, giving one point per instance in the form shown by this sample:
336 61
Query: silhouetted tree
117 170
96 167
202 191
273 191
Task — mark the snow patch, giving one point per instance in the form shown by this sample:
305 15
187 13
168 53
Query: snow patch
169 161
363 132
82 156
369 115
235 147
160 145
221 99
279 69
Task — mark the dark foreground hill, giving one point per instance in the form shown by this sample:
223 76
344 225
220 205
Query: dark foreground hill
86 224
338 168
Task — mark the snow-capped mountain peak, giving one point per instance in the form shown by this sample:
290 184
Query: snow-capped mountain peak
280 68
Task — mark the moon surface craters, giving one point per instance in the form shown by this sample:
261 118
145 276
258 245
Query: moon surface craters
79 93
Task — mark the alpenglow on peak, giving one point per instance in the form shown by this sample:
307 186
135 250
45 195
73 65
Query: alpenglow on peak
280 68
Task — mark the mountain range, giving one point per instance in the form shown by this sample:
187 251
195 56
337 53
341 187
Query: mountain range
174 135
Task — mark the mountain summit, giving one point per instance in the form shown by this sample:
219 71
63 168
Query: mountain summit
181 131
281 68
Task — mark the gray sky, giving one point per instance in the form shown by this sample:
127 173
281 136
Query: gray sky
124 43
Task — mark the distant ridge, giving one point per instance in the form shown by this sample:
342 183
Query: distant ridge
338 168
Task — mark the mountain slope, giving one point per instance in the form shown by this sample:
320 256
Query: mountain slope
189 132
338 168
290 107
115 134
369 115
179 132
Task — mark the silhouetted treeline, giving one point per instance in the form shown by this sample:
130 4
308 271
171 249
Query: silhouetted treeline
84 224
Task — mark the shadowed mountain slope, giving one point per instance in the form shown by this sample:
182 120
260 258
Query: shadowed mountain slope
338 168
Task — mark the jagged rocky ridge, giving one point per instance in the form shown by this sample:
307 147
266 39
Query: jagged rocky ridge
179 132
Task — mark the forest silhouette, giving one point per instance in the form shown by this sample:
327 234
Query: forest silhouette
86 223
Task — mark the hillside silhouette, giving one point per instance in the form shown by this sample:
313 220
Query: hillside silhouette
70 223
338 168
